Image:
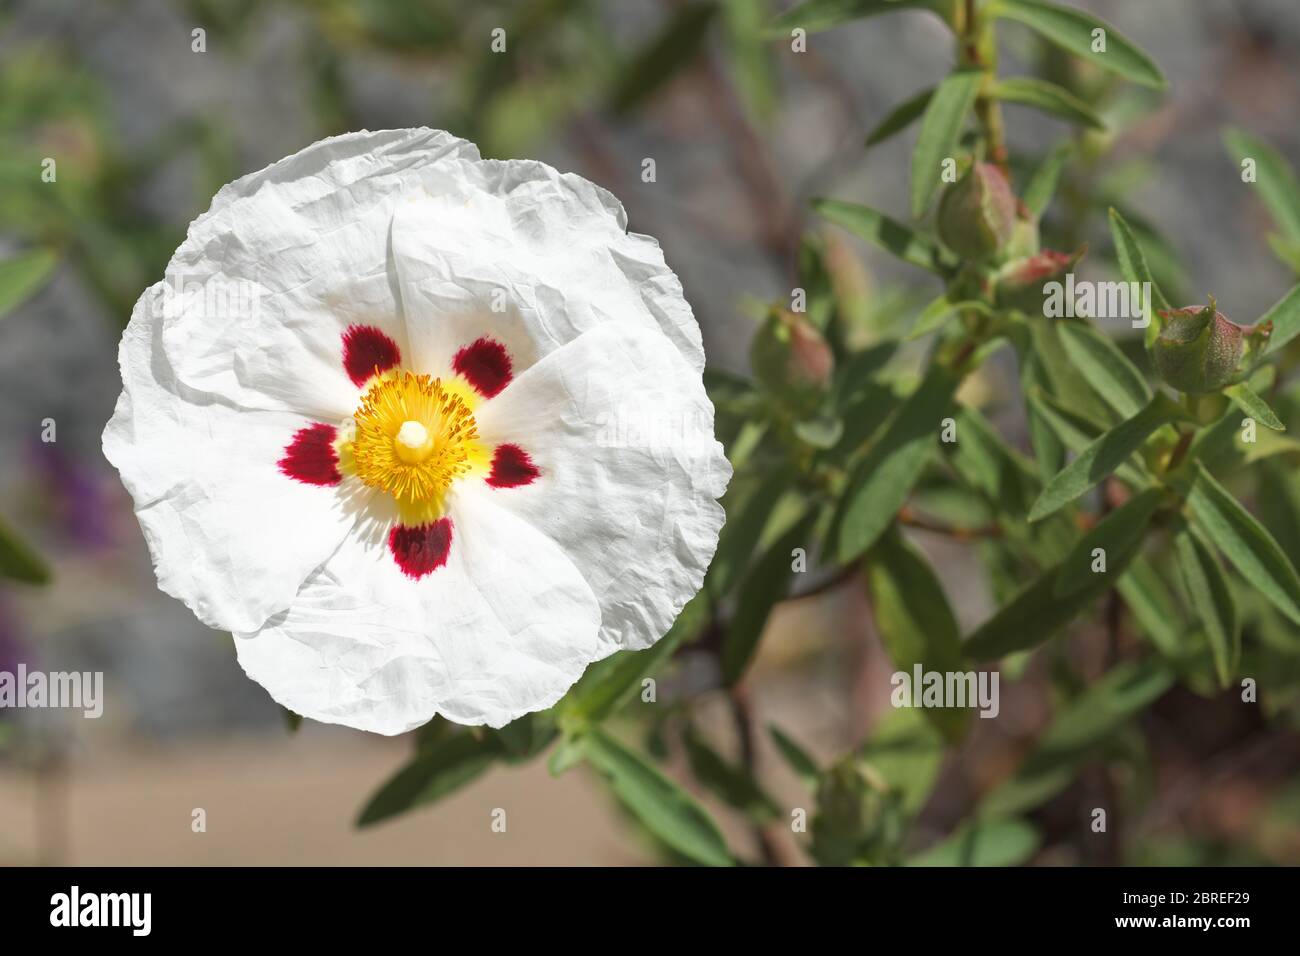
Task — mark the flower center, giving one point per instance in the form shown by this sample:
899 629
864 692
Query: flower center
413 438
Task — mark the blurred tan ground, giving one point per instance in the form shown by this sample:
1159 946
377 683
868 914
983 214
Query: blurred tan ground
291 800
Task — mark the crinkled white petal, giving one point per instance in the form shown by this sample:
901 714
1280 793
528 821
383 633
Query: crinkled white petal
285 260
530 256
504 628
230 535
622 431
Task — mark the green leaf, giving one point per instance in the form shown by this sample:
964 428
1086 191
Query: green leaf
984 461
1042 185
892 236
1285 316
664 808
1211 600
914 619
1254 406
995 843
1048 97
795 755
818 15
764 587
1073 29
1251 549
525 737
1103 456
901 117
18 561
883 479
749 55
1103 366
941 127
1048 604
907 751
446 766
675 46
744 527
608 684
1077 433
1118 533
1079 729
1153 606
1133 266
1273 177
22 275
937 313
733 785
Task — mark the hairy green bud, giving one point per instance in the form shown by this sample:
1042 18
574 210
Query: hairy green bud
977 214
792 360
1199 349
1021 284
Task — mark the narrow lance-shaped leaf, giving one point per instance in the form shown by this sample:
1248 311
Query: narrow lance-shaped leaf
884 478
677 44
732 784
1208 590
749 55
1117 533
1285 317
764 587
1105 368
795 755
1273 178
941 127
1076 32
1133 266
892 236
1254 406
608 684
1078 730
22 275
1042 185
1103 456
940 310
995 843
1039 611
1048 97
817 15
1077 433
444 767
1244 541
1153 606
18 561
743 529
664 808
913 616
900 117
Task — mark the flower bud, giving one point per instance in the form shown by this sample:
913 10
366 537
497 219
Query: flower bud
1199 349
1021 284
978 213
791 359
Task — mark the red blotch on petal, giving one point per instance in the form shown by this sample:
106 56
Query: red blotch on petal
310 457
422 549
511 467
485 363
367 350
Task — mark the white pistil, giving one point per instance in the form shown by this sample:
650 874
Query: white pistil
412 442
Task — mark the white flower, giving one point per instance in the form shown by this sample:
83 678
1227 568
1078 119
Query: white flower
427 433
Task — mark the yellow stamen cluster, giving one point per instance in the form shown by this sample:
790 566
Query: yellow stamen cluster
413 438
